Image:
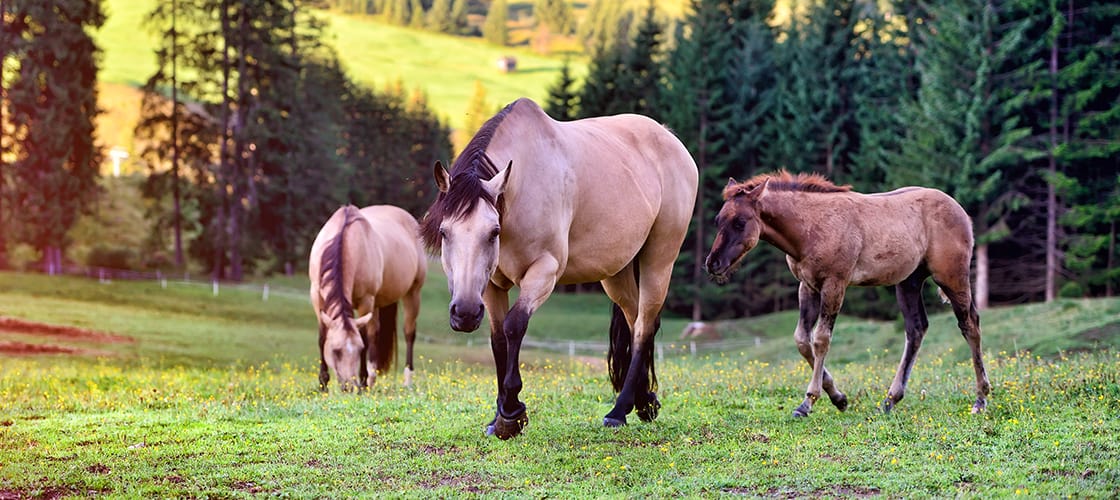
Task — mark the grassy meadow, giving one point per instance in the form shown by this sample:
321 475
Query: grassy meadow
215 396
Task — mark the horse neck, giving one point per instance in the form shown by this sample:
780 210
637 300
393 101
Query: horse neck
782 223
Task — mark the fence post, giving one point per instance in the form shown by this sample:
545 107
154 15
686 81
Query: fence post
660 353
571 348
215 285
692 348
264 293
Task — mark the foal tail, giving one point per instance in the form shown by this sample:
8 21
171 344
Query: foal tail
620 348
385 338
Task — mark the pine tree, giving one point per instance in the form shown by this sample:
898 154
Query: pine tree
494 29
553 14
563 102
52 100
439 17
479 110
642 67
965 134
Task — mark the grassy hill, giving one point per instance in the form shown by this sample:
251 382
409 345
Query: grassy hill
444 67
214 396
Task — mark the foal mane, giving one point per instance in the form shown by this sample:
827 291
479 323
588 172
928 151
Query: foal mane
331 268
782 180
467 173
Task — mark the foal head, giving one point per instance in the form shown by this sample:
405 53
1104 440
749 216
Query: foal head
738 227
344 347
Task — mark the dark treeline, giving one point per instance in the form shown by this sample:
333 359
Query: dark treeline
1012 107
270 134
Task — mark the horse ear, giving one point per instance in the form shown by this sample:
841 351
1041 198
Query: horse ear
497 185
443 180
731 182
759 191
362 321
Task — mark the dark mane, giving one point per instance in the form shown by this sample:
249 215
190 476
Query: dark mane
467 173
785 181
330 269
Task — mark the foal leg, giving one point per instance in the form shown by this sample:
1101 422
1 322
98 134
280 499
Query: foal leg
968 320
832 296
324 371
809 303
909 294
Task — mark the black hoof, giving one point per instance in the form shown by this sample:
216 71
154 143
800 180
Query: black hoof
840 402
803 410
980 405
887 405
648 413
609 421
505 428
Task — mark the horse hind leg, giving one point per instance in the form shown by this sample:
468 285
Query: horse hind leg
909 295
411 312
809 303
968 320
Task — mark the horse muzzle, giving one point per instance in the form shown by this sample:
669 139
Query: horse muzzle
719 269
465 317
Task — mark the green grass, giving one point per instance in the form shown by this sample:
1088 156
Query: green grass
217 398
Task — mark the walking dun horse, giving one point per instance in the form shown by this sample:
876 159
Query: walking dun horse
601 199
369 260
834 237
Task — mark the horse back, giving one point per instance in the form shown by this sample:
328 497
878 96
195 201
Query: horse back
400 258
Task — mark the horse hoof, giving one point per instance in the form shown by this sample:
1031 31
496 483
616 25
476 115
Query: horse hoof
802 411
979 406
887 406
648 413
505 428
613 422
841 402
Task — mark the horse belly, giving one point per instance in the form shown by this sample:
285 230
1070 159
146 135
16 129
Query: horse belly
884 266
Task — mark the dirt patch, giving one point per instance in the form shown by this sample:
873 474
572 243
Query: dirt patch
16 325
53 333
25 349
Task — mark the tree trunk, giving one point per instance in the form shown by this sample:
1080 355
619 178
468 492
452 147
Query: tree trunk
219 243
981 294
1109 264
1051 195
175 136
698 249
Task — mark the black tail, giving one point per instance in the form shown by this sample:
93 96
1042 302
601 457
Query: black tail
619 351
385 338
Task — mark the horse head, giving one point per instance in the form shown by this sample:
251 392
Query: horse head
344 347
469 246
738 227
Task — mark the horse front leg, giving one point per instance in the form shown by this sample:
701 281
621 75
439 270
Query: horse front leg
809 304
536 287
832 297
496 301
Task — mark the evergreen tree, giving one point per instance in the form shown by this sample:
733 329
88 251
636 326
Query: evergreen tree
563 102
966 135
439 17
814 122
416 15
601 94
494 29
642 66
553 14
52 102
715 89
479 110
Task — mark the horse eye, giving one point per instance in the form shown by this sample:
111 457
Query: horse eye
442 233
494 234
738 224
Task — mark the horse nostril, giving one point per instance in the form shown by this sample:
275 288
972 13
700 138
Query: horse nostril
454 309
478 313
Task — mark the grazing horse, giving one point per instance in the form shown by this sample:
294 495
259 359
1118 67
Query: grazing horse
600 199
834 237
369 260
